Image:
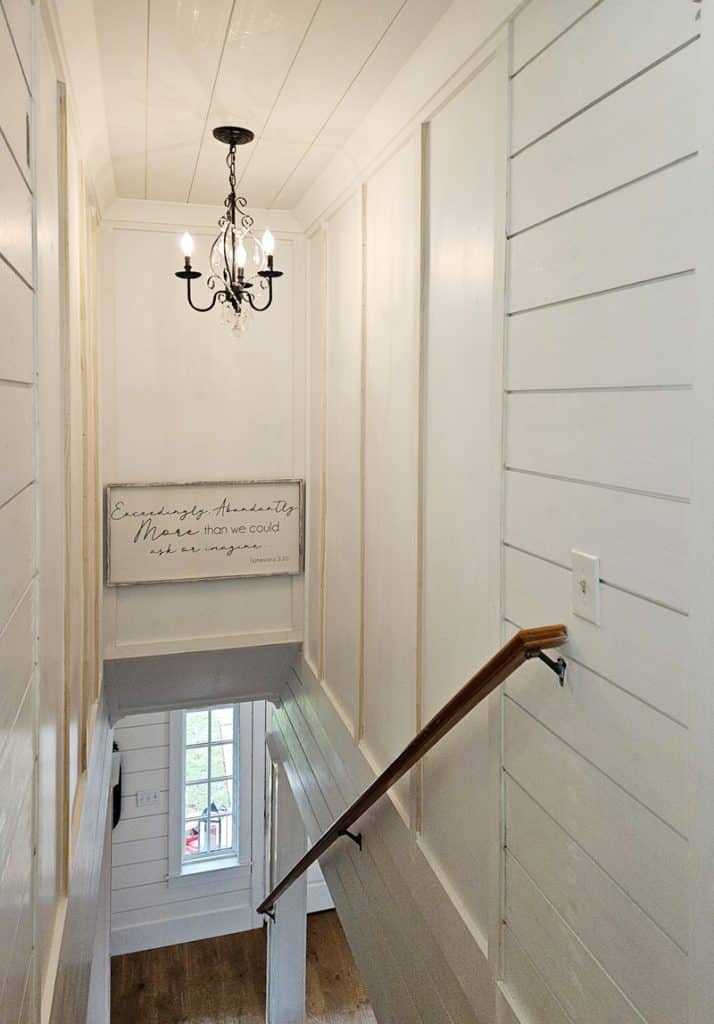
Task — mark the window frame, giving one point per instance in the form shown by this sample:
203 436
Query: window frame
229 862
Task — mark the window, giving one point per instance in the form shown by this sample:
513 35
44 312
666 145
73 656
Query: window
209 822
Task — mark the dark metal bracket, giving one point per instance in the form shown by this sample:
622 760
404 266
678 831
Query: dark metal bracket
355 838
559 667
270 914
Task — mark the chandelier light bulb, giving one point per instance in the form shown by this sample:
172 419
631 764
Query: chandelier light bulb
268 242
241 255
187 245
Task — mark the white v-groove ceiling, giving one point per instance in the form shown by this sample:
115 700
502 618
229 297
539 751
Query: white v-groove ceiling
302 74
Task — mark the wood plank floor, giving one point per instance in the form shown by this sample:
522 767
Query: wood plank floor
222 980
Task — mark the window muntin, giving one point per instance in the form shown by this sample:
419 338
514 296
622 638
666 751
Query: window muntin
210 784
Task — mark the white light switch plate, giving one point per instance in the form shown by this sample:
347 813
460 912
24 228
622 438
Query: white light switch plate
586 586
147 797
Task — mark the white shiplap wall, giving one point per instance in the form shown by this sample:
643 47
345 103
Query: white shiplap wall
18 576
599 357
146 912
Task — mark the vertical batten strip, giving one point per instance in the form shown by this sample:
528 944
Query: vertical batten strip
359 725
417 775
325 442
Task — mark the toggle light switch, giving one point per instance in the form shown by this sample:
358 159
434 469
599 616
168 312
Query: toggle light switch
586 586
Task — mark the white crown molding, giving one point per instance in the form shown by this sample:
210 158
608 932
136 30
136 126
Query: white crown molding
71 28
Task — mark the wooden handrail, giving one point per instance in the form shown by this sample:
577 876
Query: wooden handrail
526 644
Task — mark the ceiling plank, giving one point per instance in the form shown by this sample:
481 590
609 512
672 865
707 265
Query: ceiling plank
185 45
263 42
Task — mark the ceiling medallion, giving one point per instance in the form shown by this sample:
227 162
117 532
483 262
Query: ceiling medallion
240 262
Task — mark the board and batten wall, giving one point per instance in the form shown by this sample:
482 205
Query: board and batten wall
185 400
542 857
406 279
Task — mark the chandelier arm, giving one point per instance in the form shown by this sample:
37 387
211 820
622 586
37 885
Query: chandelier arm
201 309
261 309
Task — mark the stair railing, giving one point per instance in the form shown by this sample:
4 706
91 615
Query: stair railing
526 644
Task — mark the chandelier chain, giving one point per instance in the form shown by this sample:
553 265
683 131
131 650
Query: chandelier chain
233 201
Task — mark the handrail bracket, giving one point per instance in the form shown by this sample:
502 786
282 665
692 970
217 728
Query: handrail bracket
559 667
525 644
355 838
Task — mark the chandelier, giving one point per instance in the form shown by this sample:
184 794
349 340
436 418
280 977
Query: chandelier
242 271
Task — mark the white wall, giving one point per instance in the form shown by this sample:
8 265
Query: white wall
598 401
584 916
147 912
18 495
185 400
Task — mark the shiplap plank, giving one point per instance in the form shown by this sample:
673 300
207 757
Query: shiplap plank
642 854
27 1010
16 659
550 518
586 991
139 829
158 894
645 230
638 645
144 872
16 865
134 782
16 340
15 215
632 439
16 100
344 441
599 52
649 968
143 847
646 125
19 16
16 908
527 991
540 23
637 747
150 911
144 759
16 759
14 968
623 338
149 718
17 428
16 860
138 736
17 542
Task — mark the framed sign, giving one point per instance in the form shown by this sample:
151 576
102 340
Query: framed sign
160 533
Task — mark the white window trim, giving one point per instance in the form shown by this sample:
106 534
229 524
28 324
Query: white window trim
228 868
